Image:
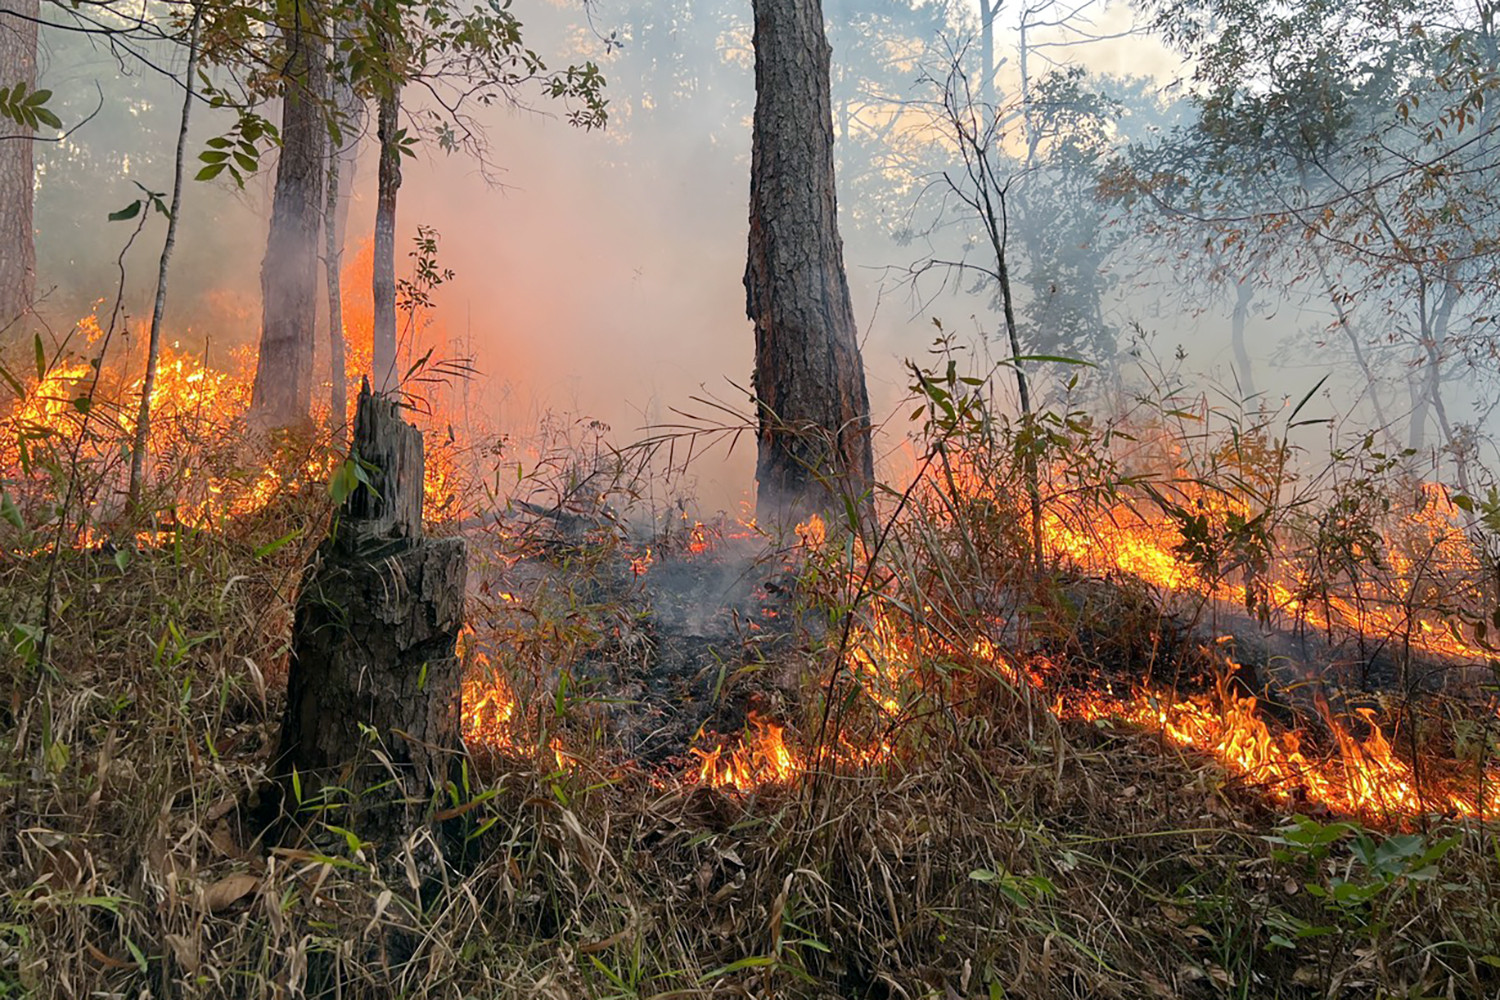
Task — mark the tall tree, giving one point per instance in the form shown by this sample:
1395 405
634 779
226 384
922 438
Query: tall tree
289 272
18 36
814 410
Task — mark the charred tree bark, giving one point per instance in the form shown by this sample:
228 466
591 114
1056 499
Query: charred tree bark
282 395
18 36
373 645
383 279
814 412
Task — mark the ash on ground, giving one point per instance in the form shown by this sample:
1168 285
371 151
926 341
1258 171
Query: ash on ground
660 650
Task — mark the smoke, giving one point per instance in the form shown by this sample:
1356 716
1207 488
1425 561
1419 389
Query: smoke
598 275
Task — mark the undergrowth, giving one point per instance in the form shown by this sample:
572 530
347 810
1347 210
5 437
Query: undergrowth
994 851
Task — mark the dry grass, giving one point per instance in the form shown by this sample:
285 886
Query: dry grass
998 854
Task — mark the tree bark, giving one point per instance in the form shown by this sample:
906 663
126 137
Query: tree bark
373 644
142 440
282 395
814 411
18 37
383 278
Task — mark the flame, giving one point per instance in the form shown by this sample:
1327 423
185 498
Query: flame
761 758
812 533
199 453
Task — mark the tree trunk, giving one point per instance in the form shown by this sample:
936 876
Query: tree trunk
373 644
333 255
282 395
814 413
987 11
342 164
18 35
1244 292
383 280
153 344
351 116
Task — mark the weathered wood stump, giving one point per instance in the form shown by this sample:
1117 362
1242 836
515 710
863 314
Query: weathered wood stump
373 692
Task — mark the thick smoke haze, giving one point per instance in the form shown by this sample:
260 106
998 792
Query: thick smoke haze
598 275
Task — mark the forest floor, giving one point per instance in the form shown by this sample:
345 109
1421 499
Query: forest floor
989 850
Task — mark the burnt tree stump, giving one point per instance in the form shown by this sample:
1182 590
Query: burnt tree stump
373 691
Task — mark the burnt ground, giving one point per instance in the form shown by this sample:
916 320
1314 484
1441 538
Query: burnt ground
667 649
722 632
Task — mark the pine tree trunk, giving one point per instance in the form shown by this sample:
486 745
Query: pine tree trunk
373 644
18 36
814 413
383 280
282 395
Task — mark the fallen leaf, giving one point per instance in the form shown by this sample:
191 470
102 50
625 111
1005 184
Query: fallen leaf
185 952
228 890
106 960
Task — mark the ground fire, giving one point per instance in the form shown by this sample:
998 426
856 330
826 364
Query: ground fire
1353 769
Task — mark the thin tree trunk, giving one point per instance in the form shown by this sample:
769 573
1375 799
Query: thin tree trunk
282 394
987 11
1244 293
1029 467
18 37
338 375
1355 347
153 345
352 113
814 410
1416 430
383 279
989 200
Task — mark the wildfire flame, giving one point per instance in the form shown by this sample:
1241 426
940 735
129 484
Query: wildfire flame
761 758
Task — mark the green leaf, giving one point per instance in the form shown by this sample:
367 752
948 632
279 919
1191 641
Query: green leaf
128 212
753 962
209 172
284 540
10 512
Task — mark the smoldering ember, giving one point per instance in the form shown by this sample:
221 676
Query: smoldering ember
881 499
